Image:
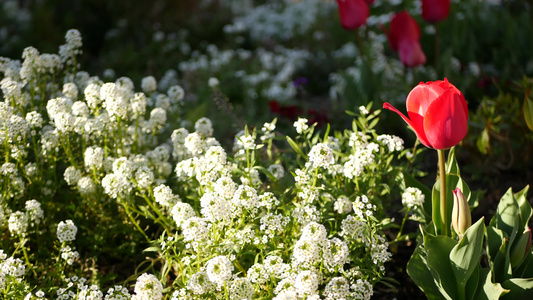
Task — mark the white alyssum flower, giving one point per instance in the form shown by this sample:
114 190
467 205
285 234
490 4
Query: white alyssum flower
301 125
149 84
213 82
163 195
241 289
336 253
392 142
361 289
148 287
86 186
342 205
194 229
321 155
117 292
314 232
337 288
176 93
13 266
277 171
72 175
181 212
199 283
412 197
18 223
69 255
306 283
34 211
363 208
94 157
204 126
66 231
219 269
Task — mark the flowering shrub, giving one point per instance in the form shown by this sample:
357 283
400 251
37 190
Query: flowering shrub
297 215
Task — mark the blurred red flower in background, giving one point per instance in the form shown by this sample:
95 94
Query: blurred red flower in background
404 37
353 13
434 11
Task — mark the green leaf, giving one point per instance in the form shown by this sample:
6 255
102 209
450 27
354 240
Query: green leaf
438 249
505 216
495 239
519 288
452 167
465 256
525 208
483 142
266 172
502 264
528 112
296 148
418 271
486 290
473 281
525 270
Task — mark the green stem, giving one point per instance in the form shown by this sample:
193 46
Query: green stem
403 223
132 219
443 209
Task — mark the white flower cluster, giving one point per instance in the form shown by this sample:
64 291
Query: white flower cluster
392 142
10 266
321 155
412 197
66 231
148 286
69 255
301 125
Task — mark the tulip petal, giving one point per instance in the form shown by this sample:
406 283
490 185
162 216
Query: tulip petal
417 125
445 122
421 96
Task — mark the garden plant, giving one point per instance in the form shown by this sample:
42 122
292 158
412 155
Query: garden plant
239 172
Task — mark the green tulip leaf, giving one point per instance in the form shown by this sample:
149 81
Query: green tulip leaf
437 249
525 208
495 239
525 270
473 281
519 288
452 167
418 271
502 263
486 289
465 256
528 112
505 216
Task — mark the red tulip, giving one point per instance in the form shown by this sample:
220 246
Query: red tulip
402 26
437 112
404 36
411 53
435 10
353 13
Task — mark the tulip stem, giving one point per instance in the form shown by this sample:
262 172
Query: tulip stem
443 208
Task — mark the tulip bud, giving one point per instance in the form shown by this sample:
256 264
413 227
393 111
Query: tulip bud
521 248
461 218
